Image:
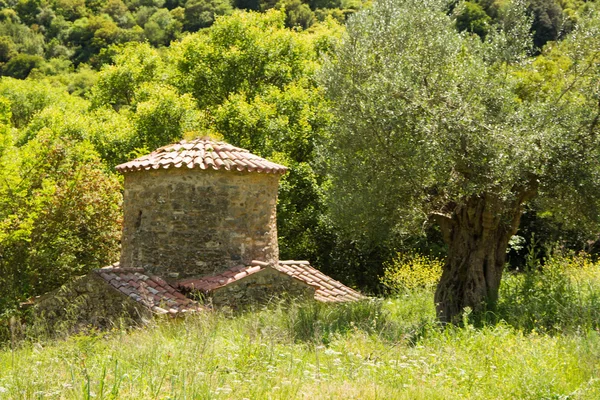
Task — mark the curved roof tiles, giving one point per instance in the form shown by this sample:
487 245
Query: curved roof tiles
326 288
204 154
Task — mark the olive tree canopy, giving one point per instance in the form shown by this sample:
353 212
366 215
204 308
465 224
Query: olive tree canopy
436 125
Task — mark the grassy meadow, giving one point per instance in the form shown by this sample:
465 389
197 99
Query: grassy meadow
542 343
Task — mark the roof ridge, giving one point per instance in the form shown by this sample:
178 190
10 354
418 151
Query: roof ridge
202 153
294 262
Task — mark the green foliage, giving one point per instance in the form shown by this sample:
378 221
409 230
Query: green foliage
28 10
471 17
297 14
237 55
547 22
134 64
29 97
21 65
162 116
563 294
429 117
409 271
25 39
202 13
81 30
7 49
59 216
162 28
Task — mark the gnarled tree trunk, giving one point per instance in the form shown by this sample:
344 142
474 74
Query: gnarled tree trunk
477 234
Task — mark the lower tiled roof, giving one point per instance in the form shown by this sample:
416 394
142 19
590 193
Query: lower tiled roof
326 288
152 291
207 284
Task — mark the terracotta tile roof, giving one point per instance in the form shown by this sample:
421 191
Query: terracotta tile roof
152 291
208 283
327 289
202 153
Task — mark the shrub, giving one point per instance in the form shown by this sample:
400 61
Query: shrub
472 17
409 271
59 216
563 294
21 65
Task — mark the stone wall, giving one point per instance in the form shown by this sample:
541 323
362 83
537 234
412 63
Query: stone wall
86 301
260 287
183 222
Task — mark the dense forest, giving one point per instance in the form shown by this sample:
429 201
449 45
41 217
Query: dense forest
90 84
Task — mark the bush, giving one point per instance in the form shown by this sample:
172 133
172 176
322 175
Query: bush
409 271
563 294
21 65
472 17
202 13
59 216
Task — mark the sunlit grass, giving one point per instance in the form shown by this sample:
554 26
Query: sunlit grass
542 343
389 349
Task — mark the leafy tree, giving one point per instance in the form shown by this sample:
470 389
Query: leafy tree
28 97
431 127
119 12
202 13
162 28
471 17
59 216
243 53
7 49
547 22
28 10
253 5
297 14
162 116
71 10
315 4
117 85
21 65
26 40
91 35
143 14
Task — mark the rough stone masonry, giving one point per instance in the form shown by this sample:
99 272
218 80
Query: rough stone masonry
180 222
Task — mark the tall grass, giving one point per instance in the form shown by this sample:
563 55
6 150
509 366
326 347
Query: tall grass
368 350
562 295
544 345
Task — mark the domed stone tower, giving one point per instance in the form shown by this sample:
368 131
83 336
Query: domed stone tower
198 208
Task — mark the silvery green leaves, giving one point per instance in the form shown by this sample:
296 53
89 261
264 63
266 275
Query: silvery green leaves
427 116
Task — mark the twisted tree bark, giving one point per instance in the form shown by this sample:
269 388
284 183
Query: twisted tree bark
477 233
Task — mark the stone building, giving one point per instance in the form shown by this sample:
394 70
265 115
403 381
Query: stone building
199 221
197 208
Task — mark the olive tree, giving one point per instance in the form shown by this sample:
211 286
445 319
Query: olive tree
439 126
